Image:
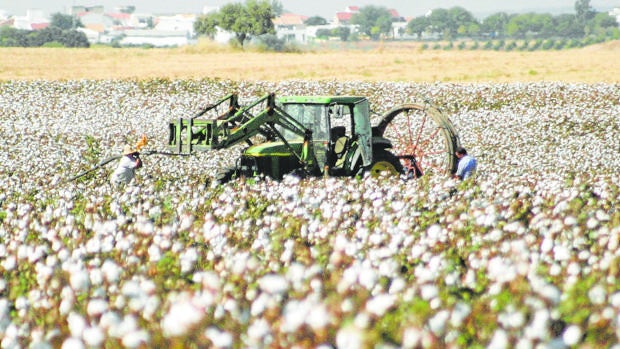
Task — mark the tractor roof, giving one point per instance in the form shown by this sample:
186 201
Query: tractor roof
321 99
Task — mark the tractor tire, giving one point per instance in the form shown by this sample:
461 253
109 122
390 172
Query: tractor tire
385 163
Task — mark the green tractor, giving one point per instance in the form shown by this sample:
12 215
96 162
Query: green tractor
320 136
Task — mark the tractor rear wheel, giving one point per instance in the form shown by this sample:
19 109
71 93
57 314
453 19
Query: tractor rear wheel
385 163
422 137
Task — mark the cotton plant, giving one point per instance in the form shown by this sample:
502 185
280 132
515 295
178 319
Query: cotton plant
523 256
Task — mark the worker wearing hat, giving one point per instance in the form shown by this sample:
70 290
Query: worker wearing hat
127 166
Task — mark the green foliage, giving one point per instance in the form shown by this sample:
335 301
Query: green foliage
253 18
315 20
457 22
373 21
10 37
270 42
65 22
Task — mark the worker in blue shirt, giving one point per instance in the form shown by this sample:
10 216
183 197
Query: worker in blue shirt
467 164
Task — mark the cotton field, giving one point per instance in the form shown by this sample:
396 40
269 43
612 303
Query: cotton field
525 256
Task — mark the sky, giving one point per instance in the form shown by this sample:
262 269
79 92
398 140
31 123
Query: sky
323 8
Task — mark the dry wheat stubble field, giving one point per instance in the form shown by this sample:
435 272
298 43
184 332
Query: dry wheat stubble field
386 63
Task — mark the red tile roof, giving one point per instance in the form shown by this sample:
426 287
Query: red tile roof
290 19
344 16
119 15
39 26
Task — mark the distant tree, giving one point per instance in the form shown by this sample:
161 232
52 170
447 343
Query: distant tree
418 25
253 18
530 24
373 21
459 19
495 24
566 26
49 34
74 38
315 20
323 33
207 24
11 37
583 11
604 20
343 33
276 8
128 9
602 24
63 21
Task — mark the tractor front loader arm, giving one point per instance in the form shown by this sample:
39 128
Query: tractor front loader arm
188 135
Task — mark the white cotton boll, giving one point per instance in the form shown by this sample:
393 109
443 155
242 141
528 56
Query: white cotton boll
181 316
72 343
499 340
150 307
76 324
21 303
134 339
273 284
437 324
109 320
188 259
597 295
80 280
66 305
93 245
258 330
9 263
561 253
412 338
538 328
397 285
572 335
361 320
546 245
93 336
349 338
96 276
219 339
294 315
96 307
429 291
154 253
368 278
614 299
551 293
459 314
378 305
111 271
318 318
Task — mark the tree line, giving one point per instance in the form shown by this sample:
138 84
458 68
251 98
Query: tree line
254 20
456 22
60 33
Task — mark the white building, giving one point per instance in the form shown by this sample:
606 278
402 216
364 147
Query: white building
156 38
34 19
181 22
615 13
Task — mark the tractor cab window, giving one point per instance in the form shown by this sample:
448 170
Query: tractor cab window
363 130
311 116
340 118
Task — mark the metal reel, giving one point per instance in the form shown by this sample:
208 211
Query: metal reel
423 137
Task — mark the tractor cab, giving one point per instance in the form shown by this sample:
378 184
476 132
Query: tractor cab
341 132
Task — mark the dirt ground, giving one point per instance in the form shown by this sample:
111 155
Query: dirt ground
382 62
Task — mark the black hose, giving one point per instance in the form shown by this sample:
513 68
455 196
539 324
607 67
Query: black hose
116 157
